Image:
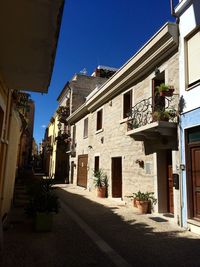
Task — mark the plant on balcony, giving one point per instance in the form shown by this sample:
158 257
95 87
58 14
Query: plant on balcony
63 113
164 115
101 182
164 89
49 148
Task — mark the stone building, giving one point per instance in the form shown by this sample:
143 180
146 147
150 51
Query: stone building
115 130
70 99
27 110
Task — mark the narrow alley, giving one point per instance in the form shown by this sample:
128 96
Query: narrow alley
90 231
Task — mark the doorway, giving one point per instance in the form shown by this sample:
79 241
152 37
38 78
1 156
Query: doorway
82 170
116 177
193 172
165 182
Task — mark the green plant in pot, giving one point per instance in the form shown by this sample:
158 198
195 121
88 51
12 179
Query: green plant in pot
144 201
43 203
100 182
164 115
164 89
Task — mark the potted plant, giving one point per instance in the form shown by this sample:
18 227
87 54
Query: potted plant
43 203
63 113
164 115
144 200
101 183
165 90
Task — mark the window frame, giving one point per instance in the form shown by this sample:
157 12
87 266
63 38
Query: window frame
188 85
96 163
85 128
130 91
99 127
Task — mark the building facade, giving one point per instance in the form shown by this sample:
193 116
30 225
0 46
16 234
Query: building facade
115 130
26 63
188 15
70 99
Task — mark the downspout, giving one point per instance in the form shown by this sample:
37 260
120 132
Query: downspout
173 11
179 132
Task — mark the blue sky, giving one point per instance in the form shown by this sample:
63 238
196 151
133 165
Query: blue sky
97 32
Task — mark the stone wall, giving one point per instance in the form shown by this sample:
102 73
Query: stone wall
112 141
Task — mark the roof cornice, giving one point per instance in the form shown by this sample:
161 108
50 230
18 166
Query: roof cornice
159 47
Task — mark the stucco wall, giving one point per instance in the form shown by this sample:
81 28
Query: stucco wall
189 20
11 161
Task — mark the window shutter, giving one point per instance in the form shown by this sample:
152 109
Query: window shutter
193 57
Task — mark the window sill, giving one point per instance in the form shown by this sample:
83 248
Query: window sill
85 137
192 86
99 131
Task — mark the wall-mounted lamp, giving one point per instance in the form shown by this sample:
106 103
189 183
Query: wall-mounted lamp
140 162
102 139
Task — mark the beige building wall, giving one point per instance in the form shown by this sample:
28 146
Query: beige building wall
10 136
52 133
112 140
11 161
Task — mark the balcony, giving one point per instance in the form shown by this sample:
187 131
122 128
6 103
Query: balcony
154 121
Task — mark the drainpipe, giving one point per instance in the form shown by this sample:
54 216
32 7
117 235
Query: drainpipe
179 132
173 11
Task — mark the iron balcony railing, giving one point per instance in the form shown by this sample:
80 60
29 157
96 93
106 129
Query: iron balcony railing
150 110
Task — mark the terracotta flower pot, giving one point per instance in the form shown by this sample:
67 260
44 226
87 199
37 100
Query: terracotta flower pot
169 92
142 206
101 191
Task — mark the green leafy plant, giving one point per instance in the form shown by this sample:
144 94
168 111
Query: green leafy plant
164 115
42 197
145 196
100 178
164 88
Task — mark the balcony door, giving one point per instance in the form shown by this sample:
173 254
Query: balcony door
158 101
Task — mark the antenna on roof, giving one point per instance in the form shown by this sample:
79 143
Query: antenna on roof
83 71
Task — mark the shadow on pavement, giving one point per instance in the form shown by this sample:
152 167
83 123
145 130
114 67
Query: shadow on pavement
135 241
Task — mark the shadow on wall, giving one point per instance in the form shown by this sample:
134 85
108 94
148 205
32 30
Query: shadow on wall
196 5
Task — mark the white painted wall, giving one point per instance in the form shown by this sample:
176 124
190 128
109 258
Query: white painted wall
189 20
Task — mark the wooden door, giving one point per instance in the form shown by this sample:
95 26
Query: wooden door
170 190
195 179
82 170
117 177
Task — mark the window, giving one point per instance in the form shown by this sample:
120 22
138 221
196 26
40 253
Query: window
127 103
85 130
158 102
193 135
99 119
193 56
96 163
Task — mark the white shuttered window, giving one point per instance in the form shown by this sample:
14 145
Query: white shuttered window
193 58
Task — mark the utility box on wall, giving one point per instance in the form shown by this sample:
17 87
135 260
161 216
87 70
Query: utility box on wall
176 180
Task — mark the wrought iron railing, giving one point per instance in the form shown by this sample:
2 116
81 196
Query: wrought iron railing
150 110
